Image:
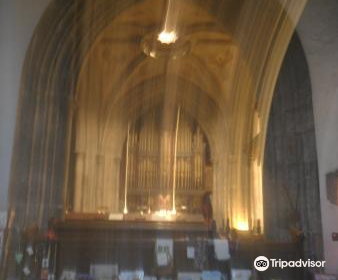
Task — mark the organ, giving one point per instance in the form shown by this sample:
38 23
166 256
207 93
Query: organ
151 162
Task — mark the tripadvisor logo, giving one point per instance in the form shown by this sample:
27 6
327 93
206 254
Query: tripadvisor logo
262 263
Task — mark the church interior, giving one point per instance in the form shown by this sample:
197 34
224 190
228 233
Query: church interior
168 139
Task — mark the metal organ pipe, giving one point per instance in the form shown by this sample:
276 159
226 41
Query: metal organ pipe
175 156
150 150
125 210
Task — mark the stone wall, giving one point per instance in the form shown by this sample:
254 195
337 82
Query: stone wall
317 30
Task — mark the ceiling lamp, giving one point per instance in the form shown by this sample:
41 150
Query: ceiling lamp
165 45
166 37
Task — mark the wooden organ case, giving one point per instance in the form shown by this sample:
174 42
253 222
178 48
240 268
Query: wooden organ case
150 168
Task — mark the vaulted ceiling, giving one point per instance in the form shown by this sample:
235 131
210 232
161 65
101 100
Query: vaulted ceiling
120 75
218 75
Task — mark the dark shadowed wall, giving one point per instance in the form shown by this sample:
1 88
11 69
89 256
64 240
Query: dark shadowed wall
291 185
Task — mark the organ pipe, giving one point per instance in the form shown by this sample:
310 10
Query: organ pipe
125 210
149 152
175 159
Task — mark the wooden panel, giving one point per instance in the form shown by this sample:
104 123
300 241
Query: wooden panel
131 245
332 187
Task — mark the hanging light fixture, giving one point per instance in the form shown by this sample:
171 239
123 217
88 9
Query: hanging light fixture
167 42
166 37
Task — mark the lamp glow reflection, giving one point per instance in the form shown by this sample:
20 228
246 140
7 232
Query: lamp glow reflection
166 214
242 225
166 37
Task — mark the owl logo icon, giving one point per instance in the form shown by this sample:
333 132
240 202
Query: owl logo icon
261 263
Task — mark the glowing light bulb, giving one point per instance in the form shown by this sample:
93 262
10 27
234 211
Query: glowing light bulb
242 225
166 37
125 211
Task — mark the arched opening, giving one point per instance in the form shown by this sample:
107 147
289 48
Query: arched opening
93 82
290 177
89 33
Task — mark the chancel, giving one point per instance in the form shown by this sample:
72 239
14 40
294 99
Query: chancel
165 139
123 147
